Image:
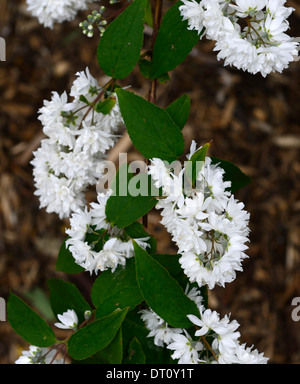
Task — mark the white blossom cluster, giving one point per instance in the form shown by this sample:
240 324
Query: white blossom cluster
49 12
249 34
94 243
38 355
77 139
209 226
215 341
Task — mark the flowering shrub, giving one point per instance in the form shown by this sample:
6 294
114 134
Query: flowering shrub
138 295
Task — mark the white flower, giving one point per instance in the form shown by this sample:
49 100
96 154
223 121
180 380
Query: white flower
276 8
209 321
159 172
188 237
214 19
151 319
79 224
110 256
92 140
128 249
227 342
80 227
195 206
185 349
38 355
98 210
171 183
276 57
246 355
210 182
49 12
84 85
51 117
209 226
159 329
216 340
235 212
194 294
219 337
77 140
245 8
83 254
192 11
259 47
96 245
56 192
68 320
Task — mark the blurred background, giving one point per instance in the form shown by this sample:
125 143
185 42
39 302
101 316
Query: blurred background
252 121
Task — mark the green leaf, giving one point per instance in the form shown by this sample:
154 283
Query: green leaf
148 14
133 326
65 295
120 46
106 106
232 173
112 354
162 292
28 324
65 261
84 100
40 301
145 68
116 290
170 263
125 205
163 78
135 353
151 129
179 110
96 336
173 43
195 164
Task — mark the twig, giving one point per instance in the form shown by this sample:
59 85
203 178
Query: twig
209 348
153 86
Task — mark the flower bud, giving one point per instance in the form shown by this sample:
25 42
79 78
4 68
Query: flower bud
87 314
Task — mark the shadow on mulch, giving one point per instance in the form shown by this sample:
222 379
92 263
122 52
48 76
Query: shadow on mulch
253 122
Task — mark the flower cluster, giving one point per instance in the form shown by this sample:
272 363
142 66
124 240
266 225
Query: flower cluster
94 243
249 34
56 11
215 340
77 139
209 226
38 355
94 19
